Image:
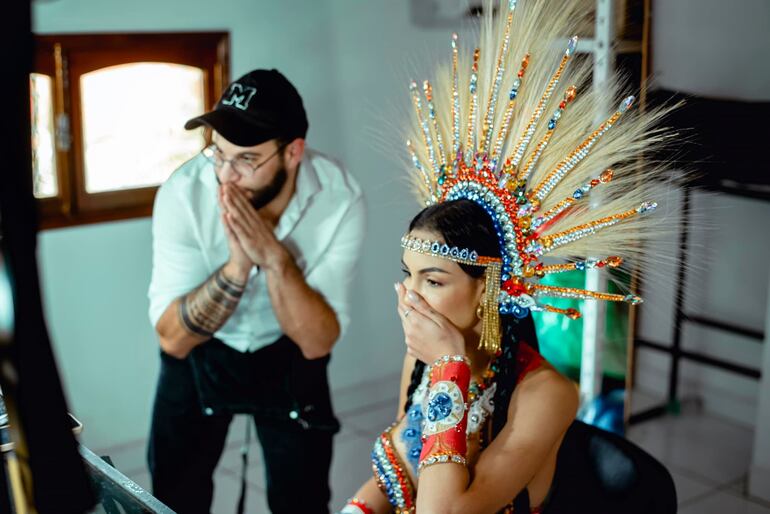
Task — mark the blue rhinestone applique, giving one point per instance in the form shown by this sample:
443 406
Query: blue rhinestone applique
444 407
412 435
439 407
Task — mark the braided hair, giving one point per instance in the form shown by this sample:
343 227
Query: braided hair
465 224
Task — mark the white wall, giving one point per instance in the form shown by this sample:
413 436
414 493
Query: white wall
759 473
347 59
95 278
94 282
713 49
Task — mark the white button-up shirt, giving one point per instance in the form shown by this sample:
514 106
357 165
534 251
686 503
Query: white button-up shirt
322 227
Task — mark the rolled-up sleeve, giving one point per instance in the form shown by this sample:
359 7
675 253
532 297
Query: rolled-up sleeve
177 262
333 277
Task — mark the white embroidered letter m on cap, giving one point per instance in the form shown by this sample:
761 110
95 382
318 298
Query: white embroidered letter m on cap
239 96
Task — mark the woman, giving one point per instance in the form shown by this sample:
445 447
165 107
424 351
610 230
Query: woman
532 403
483 419
520 410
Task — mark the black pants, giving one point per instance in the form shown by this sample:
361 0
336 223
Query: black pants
186 444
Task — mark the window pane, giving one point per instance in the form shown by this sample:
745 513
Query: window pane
43 150
133 123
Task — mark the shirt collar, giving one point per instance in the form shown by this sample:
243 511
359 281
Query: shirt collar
306 187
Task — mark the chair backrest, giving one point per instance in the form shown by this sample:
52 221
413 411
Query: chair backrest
598 472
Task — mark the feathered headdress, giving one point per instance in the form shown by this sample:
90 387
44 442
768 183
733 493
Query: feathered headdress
506 126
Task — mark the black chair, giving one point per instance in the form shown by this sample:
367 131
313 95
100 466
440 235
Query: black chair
598 472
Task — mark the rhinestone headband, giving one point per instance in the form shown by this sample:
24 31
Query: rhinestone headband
444 251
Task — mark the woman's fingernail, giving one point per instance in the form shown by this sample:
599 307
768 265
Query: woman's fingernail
412 296
395 286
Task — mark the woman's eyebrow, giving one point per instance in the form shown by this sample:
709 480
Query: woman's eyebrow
433 270
426 270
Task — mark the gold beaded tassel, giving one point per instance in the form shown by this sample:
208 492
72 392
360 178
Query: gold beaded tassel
490 323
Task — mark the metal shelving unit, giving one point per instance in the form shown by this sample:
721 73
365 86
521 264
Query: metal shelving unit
675 350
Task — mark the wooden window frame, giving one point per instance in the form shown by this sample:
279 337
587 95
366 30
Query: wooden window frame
66 58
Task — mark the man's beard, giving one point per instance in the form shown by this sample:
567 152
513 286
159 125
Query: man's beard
265 195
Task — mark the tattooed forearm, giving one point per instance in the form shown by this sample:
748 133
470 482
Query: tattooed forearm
206 309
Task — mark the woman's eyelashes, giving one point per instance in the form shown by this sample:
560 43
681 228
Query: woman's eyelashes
432 283
429 281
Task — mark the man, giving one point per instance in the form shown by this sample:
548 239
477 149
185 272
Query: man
254 246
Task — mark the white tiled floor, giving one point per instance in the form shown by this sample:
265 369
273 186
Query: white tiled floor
707 456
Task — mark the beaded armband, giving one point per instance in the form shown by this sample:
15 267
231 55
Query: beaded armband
445 412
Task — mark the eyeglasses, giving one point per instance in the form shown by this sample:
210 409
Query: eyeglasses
241 164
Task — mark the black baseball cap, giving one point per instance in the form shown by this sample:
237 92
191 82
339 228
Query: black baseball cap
257 107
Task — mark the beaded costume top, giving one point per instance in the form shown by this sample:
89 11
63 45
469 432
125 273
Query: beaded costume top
390 466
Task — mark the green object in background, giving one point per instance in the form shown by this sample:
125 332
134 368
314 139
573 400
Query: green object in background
561 338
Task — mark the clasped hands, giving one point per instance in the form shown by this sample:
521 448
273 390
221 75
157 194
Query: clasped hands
249 237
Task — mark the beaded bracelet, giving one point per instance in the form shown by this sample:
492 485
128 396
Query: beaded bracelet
356 506
449 358
442 458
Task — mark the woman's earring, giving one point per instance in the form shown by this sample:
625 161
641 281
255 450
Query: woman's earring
480 311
